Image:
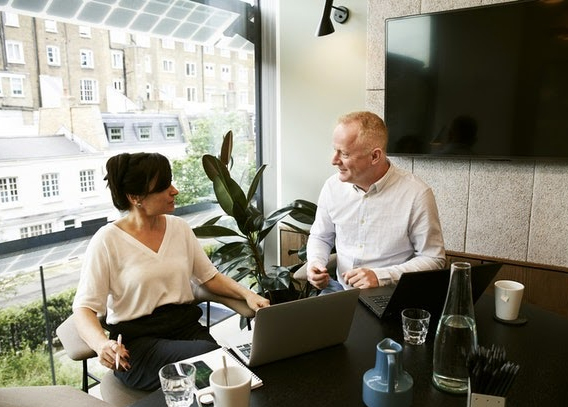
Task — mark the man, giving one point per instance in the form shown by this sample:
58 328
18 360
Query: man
382 220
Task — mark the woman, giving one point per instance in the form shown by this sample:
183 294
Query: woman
138 272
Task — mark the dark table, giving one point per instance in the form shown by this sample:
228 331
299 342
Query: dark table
333 376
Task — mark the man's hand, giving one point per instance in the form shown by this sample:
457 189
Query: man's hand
361 278
318 276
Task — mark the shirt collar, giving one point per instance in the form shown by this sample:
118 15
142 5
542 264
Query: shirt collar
380 184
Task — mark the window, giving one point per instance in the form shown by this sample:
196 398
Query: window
69 223
243 75
118 84
190 69
148 63
144 133
87 59
167 92
209 70
87 180
168 65
142 40
35 230
167 89
191 94
116 59
89 91
11 19
189 46
50 26
14 52
8 190
168 43
53 57
117 37
243 98
17 86
226 72
170 132
115 134
148 91
50 185
84 31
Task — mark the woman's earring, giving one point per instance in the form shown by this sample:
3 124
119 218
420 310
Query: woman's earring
138 205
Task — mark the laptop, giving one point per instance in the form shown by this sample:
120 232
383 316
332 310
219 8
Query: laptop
423 289
296 327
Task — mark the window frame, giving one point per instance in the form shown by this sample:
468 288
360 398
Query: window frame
50 186
86 95
15 52
53 58
9 191
86 58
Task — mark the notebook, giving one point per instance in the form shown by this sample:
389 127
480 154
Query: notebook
206 363
296 327
423 289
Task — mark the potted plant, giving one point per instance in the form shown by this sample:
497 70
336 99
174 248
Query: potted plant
243 227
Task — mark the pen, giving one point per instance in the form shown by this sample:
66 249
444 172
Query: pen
117 357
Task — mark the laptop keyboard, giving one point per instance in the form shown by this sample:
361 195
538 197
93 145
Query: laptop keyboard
380 302
245 348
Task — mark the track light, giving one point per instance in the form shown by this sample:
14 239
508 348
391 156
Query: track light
340 15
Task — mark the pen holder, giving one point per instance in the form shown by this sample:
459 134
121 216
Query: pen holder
483 400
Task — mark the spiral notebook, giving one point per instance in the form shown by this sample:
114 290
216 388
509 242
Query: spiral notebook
206 363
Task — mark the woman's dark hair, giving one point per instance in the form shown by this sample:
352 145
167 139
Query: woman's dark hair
136 174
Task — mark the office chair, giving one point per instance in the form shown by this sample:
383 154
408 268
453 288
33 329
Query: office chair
112 389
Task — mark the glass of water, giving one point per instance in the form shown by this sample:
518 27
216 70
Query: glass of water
178 383
415 324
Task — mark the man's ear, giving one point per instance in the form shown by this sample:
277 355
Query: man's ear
376 155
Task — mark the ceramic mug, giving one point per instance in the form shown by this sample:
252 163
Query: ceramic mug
230 388
508 296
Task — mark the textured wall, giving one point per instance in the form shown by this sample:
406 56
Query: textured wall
513 210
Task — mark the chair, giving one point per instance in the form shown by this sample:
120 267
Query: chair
47 396
112 390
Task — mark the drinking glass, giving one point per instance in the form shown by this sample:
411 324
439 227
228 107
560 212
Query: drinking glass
178 383
415 322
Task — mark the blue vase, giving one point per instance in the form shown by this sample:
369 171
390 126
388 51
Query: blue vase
387 384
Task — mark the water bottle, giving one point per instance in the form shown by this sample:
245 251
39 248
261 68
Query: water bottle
456 335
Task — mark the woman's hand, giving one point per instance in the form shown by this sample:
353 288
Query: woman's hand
114 355
255 301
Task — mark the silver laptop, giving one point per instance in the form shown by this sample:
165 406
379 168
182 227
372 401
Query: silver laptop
296 327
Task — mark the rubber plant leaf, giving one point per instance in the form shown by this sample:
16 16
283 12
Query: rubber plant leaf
227 149
213 231
254 184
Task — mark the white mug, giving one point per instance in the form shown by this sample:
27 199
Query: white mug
508 296
228 389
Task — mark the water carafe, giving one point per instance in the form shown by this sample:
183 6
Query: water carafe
456 334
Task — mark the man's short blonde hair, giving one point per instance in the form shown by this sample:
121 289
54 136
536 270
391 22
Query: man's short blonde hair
372 129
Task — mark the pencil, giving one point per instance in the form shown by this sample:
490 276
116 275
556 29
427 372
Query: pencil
117 356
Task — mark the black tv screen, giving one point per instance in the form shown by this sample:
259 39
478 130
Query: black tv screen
488 82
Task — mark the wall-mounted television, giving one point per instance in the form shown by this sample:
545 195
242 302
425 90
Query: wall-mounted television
487 82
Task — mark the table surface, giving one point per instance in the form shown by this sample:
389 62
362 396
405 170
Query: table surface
333 376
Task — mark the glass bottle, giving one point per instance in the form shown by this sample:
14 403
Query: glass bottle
456 334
